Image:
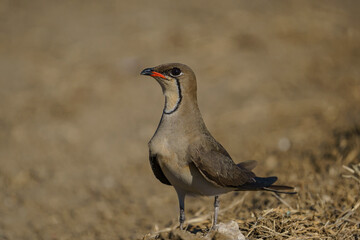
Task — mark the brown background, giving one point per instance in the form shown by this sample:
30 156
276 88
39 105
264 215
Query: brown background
76 116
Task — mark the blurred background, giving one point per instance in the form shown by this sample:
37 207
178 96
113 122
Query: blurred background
275 81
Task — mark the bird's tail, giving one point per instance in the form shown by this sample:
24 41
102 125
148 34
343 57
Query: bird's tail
266 184
280 189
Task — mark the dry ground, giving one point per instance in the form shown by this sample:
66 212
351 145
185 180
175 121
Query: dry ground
75 116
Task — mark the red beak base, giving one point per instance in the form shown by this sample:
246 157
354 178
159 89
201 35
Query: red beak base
156 74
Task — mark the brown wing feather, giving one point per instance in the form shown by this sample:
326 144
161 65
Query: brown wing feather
221 169
249 165
157 169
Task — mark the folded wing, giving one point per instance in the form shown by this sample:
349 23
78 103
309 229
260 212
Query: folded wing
221 169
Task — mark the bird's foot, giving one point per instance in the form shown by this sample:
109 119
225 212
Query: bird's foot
214 227
211 231
182 227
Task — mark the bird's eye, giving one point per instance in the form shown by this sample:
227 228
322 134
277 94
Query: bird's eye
175 72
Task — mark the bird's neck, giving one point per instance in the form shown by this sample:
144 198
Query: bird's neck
180 102
185 121
173 100
182 111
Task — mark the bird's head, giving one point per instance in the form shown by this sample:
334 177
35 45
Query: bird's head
174 78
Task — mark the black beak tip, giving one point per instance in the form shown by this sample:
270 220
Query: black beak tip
147 71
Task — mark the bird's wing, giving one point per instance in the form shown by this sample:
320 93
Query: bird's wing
249 165
221 169
157 169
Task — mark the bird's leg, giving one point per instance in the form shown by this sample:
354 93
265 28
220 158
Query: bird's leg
182 217
216 211
181 197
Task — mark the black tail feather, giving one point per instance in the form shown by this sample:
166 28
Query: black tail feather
259 183
266 184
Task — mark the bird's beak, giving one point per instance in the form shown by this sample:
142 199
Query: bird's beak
151 72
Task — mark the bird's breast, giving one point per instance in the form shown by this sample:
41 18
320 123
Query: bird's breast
180 171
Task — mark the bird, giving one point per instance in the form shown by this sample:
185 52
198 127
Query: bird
184 154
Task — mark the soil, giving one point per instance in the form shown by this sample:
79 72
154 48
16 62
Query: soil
278 82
